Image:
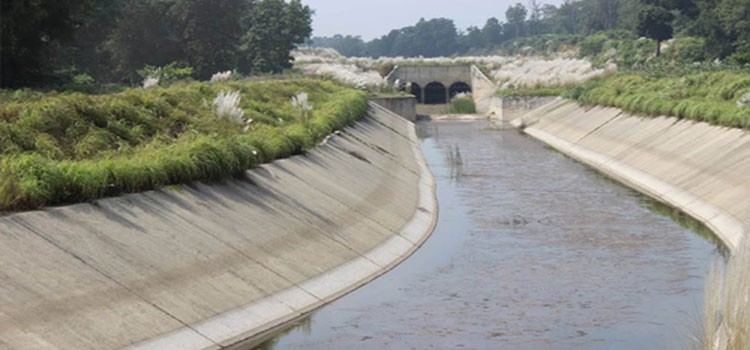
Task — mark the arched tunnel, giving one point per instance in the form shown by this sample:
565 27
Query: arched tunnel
459 88
435 93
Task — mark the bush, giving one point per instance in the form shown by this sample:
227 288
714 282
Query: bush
462 105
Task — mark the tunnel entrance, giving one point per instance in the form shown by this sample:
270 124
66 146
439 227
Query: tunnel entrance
416 90
434 93
459 88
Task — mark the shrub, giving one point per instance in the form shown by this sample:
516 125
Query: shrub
462 104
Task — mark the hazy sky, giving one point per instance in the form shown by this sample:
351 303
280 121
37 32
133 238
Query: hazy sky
371 19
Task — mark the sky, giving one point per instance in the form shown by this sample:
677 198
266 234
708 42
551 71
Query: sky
374 18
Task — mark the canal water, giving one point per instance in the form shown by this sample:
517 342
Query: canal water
531 251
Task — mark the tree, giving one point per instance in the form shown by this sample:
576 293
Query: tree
535 15
29 31
145 34
655 22
492 32
272 30
209 33
516 16
567 17
734 18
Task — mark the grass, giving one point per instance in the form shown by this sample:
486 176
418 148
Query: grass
63 148
462 105
706 96
727 305
533 92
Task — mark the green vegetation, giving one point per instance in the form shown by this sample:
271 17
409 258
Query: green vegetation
721 27
727 303
56 43
462 105
539 91
71 147
713 97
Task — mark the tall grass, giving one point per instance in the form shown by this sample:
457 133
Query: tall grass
727 305
706 96
74 147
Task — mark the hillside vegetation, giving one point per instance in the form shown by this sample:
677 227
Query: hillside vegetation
59 148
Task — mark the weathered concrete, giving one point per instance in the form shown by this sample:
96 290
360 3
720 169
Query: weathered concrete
210 266
699 168
507 109
483 90
405 106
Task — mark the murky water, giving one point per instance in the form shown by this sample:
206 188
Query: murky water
532 251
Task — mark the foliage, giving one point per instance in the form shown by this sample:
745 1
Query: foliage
533 91
48 43
166 74
462 104
209 30
710 97
655 22
272 28
727 303
61 148
29 33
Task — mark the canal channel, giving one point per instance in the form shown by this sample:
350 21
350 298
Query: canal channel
532 250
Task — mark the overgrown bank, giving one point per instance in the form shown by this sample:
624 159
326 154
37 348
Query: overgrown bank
73 147
718 98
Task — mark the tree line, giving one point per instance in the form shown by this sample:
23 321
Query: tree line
723 24
47 42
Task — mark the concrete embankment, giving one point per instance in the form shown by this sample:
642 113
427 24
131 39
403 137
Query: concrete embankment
699 168
212 266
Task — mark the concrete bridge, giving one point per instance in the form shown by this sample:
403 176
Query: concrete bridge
438 84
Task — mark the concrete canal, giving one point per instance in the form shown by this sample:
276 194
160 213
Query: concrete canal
532 251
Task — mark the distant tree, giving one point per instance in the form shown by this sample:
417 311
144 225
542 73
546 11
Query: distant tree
516 17
535 16
734 18
144 34
209 31
273 28
346 45
87 53
492 32
29 31
655 22
567 19
472 39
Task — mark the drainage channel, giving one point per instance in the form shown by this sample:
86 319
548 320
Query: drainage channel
531 251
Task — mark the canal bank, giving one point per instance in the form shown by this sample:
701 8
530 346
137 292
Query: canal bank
696 167
211 266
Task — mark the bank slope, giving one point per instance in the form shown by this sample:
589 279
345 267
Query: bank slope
210 266
699 168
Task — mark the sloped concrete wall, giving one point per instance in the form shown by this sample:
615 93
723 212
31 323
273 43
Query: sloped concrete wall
507 109
699 168
483 90
405 106
210 266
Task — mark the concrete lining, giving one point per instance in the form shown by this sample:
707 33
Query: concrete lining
213 266
696 167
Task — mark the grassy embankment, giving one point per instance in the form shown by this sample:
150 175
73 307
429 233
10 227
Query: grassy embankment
63 148
710 97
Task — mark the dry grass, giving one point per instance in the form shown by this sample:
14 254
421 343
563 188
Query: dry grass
727 304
